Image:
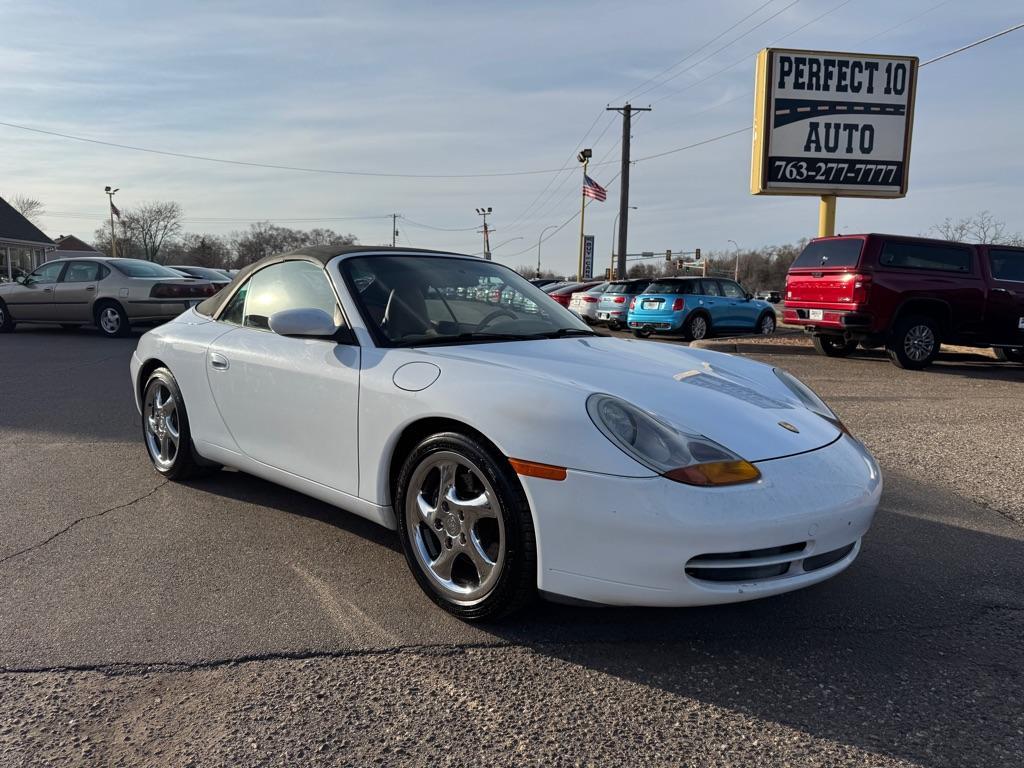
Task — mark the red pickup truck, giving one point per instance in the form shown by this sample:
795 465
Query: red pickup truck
908 294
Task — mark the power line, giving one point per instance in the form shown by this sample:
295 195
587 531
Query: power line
973 45
694 52
276 167
906 21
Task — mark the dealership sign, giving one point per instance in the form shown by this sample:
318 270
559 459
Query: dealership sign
588 257
832 123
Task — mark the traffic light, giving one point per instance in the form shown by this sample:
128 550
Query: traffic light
607 273
696 255
668 255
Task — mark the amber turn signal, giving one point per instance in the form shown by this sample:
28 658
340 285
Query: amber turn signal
535 469
716 473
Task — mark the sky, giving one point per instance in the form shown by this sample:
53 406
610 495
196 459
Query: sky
457 88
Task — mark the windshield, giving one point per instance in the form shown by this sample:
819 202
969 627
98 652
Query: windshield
419 300
672 286
830 253
202 272
139 268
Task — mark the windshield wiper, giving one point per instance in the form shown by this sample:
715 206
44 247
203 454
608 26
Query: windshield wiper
467 337
562 333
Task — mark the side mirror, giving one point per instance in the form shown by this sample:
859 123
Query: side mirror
303 321
749 296
21 279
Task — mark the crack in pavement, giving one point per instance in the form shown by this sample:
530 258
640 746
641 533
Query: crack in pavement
83 519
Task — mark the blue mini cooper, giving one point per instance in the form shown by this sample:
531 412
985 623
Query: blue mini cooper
697 307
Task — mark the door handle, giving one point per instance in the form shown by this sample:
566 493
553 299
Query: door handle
218 362
47 290
90 288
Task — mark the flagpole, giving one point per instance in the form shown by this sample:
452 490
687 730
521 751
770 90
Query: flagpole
583 211
113 237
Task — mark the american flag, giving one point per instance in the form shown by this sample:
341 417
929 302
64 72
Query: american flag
114 210
592 189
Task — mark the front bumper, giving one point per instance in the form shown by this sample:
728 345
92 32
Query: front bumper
631 541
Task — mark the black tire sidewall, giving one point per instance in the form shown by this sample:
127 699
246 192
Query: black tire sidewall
895 346
517 583
759 328
184 465
123 329
688 327
7 322
640 333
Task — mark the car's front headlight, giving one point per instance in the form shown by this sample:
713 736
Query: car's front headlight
686 458
810 400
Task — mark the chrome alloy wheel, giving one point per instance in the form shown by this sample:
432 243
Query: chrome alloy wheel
698 328
919 343
110 320
768 325
455 526
163 428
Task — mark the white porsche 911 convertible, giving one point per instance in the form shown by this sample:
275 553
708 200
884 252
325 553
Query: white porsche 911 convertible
515 450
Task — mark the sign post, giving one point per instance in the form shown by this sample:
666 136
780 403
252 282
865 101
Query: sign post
832 125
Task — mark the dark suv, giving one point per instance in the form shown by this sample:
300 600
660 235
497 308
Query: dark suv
908 294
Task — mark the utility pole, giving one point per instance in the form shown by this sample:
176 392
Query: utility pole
627 118
487 240
113 237
394 228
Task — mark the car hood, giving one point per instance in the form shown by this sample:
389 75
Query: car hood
736 402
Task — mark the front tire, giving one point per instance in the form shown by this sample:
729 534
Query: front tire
112 320
833 346
914 343
7 323
165 429
766 324
466 528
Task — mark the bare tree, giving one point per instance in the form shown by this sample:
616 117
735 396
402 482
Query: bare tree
29 207
982 227
150 225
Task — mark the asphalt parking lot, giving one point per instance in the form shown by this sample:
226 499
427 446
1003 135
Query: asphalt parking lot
229 621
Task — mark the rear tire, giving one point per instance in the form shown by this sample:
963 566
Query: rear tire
166 432
914 343
641 333
697 327
7 323
833 346
614 325
1009 354
472 547
111 319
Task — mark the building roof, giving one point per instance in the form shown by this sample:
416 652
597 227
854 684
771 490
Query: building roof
14 226
72 243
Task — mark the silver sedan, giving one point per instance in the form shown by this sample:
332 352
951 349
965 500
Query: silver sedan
112 294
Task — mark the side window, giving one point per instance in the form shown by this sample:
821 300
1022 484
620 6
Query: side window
81 272
288 285
48 273
731 289
711 288
102 270
944 258
1007 264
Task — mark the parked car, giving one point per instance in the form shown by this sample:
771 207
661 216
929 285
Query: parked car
540 282
584 303
111 294
549 287
215 276
772 297
908 294
564 293
614 304
698 307
649 476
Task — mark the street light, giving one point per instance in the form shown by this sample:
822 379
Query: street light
584 158
615 226
539 240
736 273
113 237
487 241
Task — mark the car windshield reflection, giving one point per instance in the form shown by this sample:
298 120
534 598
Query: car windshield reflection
427 300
